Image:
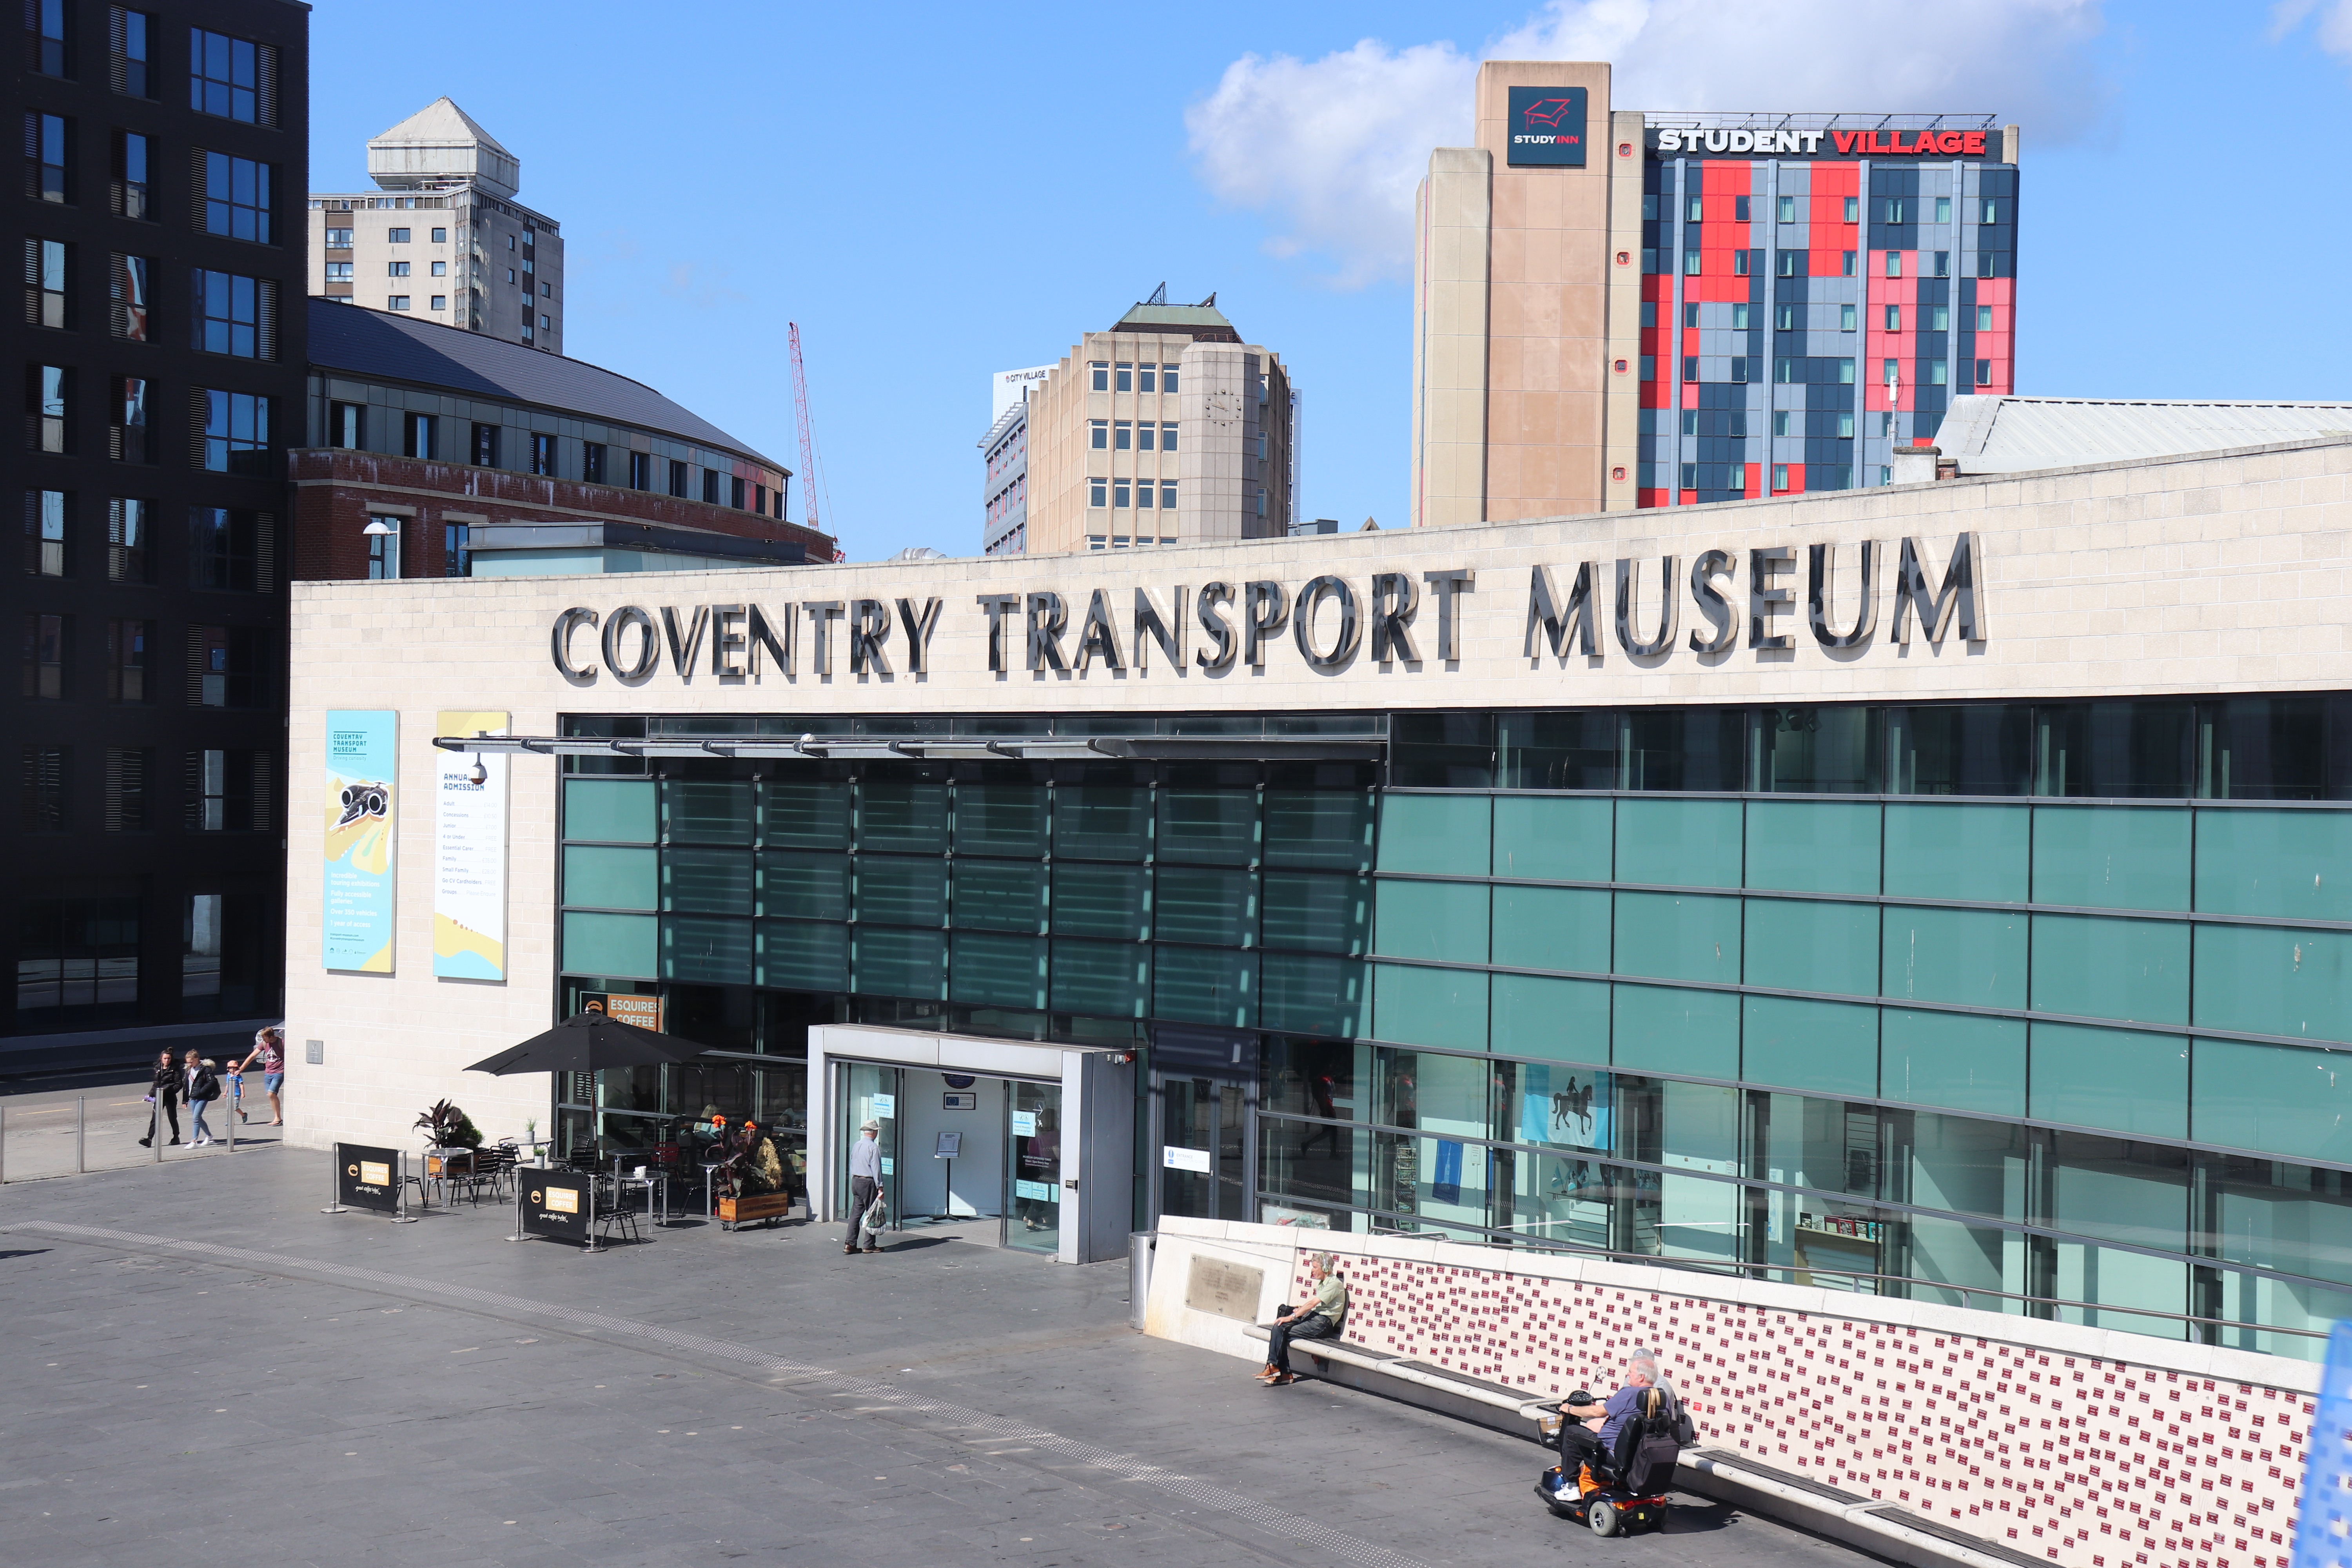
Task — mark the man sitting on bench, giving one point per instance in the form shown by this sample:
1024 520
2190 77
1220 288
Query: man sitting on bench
1319 1319
1588 1432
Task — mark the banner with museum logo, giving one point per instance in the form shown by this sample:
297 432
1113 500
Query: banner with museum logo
361 806
470 852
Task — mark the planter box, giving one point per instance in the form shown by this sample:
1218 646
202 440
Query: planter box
769 1206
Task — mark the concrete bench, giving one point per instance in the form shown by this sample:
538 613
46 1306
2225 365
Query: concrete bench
1884 1529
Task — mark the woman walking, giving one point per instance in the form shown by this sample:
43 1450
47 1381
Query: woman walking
269 1050
202 1087
165 1098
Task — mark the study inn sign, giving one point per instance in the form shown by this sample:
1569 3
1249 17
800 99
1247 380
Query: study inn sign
1390 619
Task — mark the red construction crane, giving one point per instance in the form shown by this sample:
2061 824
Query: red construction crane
810 483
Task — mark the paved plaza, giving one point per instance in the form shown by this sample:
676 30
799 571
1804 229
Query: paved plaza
200 1367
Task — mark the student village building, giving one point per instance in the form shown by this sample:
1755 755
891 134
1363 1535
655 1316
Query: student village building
1932 887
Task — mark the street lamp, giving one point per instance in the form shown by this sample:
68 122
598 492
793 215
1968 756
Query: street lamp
383 535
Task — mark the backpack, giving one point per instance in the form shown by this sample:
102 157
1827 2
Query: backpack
1661 1425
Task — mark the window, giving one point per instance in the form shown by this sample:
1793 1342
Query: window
1848 263
1690 315
544 324
440 236
735 492
1689 477
1690 262
440 302
1120 496
542 455
1147 378
1123 437
347 425
1984 372
1780 476
48 399
1740 209
46 160
1886 426
1780 422
1939 372
591 462
1984 318
126 789
1098 492
1853 213
1943 209
46 639
47 803
238 197
1740 263
237 315
1167 497
1846 427
127 283
46 273
1099 435
231 78
1895 264
711 486
440 270
417 439
230 548
1649 313
1893 210
1786 319
1988 264
486 446
456 550
338 240
1845 373
134 71
1893 374
1650 208
1939 318
676 477
131 175
237 432
511 245
1690 367
127 523
1789 259
641 470
1168 379
383 548
126 659
1846 317
1100 371
1788 210
45 532
1738 318
339 272
1693 211
1122 377
1991 211
1784 369
1143 493
395 269
1167 438
526 329
1739 367
1885 475
1943 264
395 301
46 21
1894 318
229 792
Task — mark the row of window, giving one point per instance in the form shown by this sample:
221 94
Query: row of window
387 538
1797 318
78 951
1745 263
231 196
229 548
225 791
223 668
228 431
228 77
1789 370
1120 435
1890 209
341 239
1120 376
1121 494
229 313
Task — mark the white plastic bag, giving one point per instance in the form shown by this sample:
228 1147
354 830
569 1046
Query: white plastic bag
876 1217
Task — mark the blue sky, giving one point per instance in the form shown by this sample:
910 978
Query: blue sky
971 188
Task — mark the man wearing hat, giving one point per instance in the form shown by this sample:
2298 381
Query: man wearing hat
865 1181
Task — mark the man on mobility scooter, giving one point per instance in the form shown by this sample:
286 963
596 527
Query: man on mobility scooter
1617 1457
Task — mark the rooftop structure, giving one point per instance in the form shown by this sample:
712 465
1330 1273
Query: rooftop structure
441 146
2006 435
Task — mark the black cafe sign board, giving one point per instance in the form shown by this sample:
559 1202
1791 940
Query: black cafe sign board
1388 621
558 1204
367 1178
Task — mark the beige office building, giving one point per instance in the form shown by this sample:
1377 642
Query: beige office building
1167 429
442 236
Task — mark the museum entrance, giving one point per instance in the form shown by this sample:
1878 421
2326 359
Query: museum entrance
1203 1106
958 1146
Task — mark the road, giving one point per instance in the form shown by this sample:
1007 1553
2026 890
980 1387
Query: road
38 1138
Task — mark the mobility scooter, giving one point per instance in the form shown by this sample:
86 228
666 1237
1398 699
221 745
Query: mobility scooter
1624 1489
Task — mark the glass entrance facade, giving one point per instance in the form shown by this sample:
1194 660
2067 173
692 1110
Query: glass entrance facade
2039 1008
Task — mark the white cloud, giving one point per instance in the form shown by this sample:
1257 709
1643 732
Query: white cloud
1333 148
2334 33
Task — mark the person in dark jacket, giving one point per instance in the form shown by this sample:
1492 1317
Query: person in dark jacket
165 1097
202 1086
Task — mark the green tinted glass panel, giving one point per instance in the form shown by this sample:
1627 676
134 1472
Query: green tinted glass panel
1679 843
1102 822
1561 1020
707 811
617 811
1105 900
990 969
1198 903
1678 936
2279 1100
1972 956
2120 1079
1955 1060
803 955
707 881
712 951
1000 895
2095 967
2111 856
1203 985
1215 826
1817 1048
1430 919
610 879
902 814
1000 819
1319 911
610 944
1440 833
1326 829
1661 1030
1551 928
1797 946
1813 846
807 814
886 963
1311 995
806 884
901 890
1101 979
2296 865
1980 853
1429 1007
2263 979
1553 839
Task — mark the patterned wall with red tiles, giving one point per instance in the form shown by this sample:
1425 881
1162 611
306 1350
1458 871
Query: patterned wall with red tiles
2087 1463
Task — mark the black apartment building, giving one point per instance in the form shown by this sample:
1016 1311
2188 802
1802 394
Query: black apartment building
162 351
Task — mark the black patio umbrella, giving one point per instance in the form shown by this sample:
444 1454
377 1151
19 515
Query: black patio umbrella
585 1044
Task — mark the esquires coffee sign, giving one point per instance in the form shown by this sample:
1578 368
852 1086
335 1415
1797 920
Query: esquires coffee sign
558 1202
367 1178
1386 621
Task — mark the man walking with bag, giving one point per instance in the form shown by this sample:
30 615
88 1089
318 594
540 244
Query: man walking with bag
865 1182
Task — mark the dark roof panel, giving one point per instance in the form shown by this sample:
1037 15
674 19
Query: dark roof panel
401 348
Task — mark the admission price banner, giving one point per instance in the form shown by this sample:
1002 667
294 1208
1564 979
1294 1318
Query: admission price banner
367 1178
469 854
558 1204
361 809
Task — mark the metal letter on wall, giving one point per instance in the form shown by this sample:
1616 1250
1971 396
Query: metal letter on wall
361 805
469 854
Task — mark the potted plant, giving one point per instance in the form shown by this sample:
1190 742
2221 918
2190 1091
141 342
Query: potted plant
447 1126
